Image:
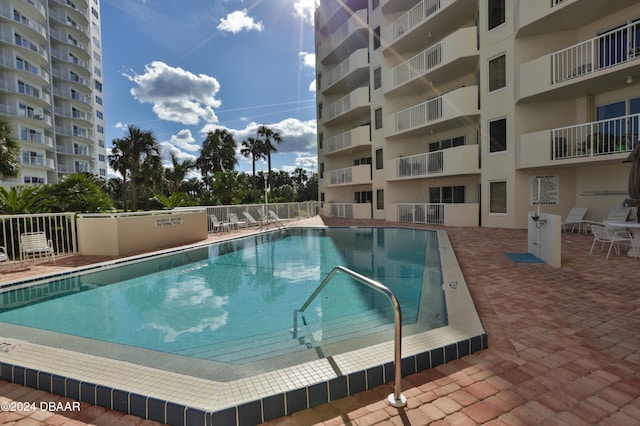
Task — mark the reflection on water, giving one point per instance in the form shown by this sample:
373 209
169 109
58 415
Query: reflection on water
196 301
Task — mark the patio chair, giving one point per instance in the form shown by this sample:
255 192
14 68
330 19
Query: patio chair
610 236
36 245
250 219
275 216
575 217
216 225
4 257
236 223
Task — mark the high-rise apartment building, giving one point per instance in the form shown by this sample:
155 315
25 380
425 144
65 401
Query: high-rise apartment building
51 87
473 112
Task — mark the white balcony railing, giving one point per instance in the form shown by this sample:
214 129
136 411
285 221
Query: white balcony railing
420 164
603 137
418 65
359 97
414 16
419 115
615 47
342 210
429 213
341 176
354 137
359 59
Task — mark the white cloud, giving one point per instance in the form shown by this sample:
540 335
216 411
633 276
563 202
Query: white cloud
312 86
184 140
239 21
305 9
308 59
297 136
176 94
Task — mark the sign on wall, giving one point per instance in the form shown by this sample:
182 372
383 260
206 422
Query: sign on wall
162 222
544 190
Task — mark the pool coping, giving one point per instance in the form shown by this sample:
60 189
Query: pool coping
179 399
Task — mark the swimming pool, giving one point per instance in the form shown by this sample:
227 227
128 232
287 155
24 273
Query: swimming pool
233 302
180 389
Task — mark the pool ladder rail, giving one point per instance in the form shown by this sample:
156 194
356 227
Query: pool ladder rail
396 399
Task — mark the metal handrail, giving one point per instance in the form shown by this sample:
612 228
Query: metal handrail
396 399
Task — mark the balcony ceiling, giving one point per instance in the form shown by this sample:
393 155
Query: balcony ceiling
602 81
573 15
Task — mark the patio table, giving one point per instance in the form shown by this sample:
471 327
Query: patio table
634 228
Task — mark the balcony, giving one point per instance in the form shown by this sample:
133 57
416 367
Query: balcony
34 92
27 26
350 210
393 6
349 108
449 59
597 65
355 175
447 214
352 72
351 36
537 17
451 110
330 14
606 140
355 139
427 19
460 160
38 160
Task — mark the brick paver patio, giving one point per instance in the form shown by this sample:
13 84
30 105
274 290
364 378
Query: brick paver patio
564 348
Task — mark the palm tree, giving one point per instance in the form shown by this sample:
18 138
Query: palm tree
218 153
22 200
9 152
176 175
253 148
130 153
270 137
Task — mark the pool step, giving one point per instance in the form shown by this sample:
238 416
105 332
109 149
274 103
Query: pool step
270 345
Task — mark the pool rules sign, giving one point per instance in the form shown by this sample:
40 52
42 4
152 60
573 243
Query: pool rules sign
163 222
544 190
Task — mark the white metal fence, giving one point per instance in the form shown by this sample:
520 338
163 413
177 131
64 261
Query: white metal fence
60 228
283 210
429 213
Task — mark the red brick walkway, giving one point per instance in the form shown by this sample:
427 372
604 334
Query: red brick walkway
564 349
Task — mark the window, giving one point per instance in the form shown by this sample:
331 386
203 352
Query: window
101 158
379 160
98 100
378 118
380 199
498 135
321 170
99 115
320 111
98 86
376 38
100 129
363 197
103 172
496 13
498 197
377 78
446 143
446 194
497 73
319 82
320 139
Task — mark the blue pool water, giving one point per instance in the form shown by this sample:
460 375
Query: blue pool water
239 296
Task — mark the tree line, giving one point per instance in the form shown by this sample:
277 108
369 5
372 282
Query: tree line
145 184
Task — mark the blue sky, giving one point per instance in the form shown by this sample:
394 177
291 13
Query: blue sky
181 68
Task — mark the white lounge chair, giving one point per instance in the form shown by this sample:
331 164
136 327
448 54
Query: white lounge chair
4 257
236 223
613 237
250 219
216 225
274 216
575 217
36 245
618 214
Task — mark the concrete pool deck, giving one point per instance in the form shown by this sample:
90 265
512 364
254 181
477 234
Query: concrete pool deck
563 347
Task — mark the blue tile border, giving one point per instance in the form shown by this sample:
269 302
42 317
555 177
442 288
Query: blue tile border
248 413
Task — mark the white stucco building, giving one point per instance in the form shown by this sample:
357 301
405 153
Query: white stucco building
454 111
51 87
